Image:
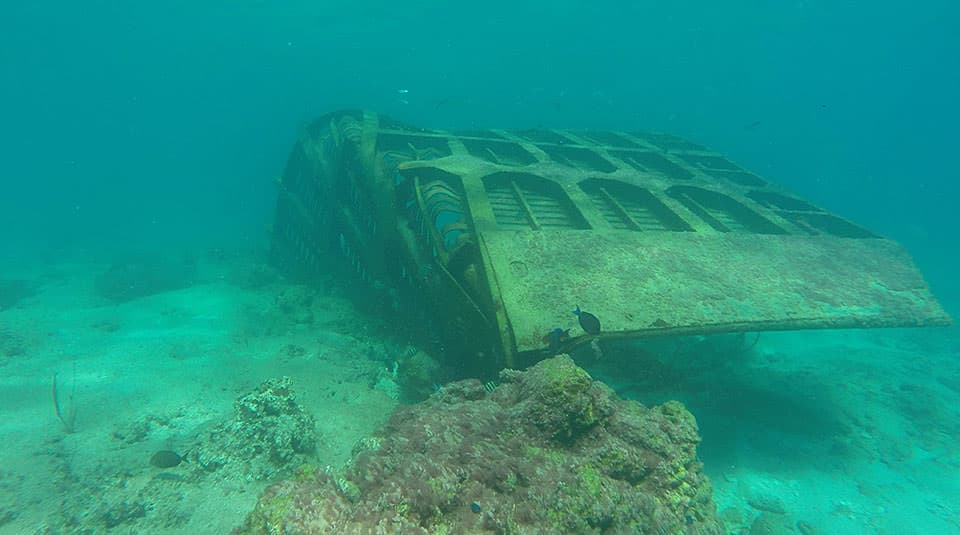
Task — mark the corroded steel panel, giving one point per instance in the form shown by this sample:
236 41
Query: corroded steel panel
686 283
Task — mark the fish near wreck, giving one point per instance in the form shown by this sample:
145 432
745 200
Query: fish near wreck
166 459
588 322
556 338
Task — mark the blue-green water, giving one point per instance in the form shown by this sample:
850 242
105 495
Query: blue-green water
159 128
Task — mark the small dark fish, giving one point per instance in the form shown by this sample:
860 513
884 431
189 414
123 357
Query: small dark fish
166 459
475 507
555 338
588 321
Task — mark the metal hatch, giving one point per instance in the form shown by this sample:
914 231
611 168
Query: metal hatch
651 233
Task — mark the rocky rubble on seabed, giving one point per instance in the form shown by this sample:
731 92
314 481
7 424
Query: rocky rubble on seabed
549 450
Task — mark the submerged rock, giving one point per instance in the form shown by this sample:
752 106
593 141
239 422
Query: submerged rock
771 524
12 291
269 434
549 450
140 277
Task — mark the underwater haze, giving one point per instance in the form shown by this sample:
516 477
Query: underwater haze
139 318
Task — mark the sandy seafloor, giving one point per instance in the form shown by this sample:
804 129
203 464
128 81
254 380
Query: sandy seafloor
848 432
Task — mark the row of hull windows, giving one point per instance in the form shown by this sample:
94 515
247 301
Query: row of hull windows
528 201
512 154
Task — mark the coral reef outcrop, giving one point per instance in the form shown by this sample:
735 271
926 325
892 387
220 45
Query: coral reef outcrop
549 450
270 433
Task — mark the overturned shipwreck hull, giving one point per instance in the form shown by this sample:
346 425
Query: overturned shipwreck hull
492 238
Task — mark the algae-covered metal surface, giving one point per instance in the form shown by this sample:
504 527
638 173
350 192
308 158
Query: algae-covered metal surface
687 283
497 235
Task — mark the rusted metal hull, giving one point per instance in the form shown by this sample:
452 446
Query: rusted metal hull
495 236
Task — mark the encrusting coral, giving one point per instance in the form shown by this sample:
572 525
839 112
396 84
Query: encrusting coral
549 450
269 434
